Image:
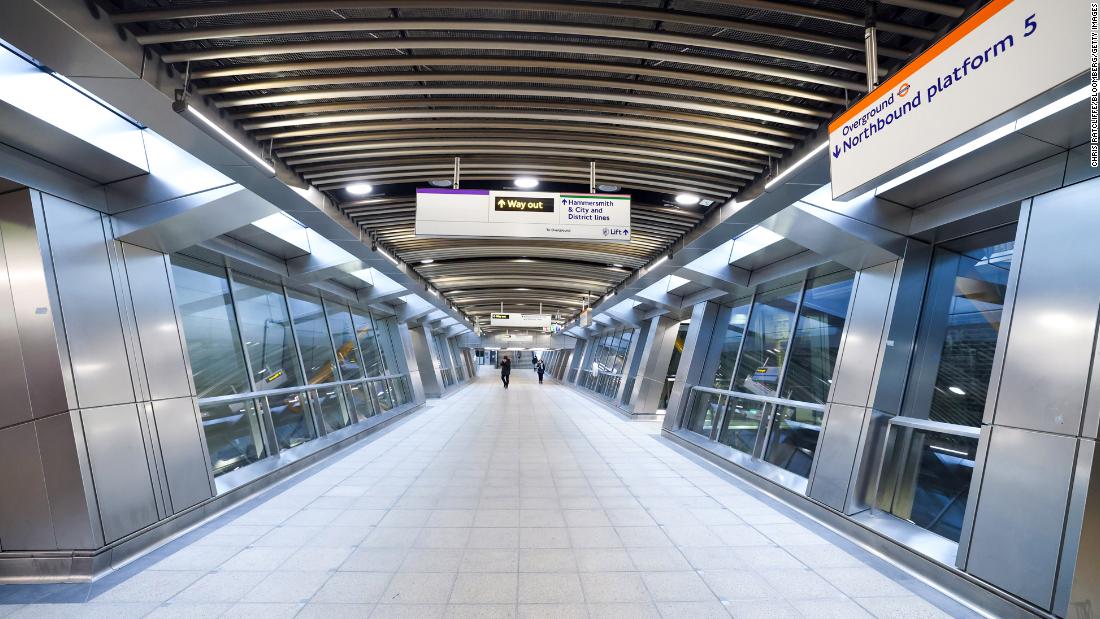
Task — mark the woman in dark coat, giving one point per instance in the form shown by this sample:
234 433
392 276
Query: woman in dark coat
540 367
505 370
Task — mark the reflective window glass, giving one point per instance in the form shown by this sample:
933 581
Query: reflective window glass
674 364
343 336
731 343
313 337
265 326
766 339
234 434
809 372
389 342
368 343
291 419
210 328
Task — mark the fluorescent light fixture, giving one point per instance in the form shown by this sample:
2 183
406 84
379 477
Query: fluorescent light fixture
658 261
527 182
359 189
956 391
427 261
687 199
440 182
608 188
798 164
618 266
522 289
228 138
998 133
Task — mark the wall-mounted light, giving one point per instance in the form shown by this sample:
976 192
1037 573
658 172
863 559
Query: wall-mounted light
182 107
526 182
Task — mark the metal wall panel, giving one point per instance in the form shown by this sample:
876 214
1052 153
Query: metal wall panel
1078 591
93 327
1050 342
181 449
407 363
158 331
836 454
901 334
123 485
654 364
429 373
25 522
13 377
858 356
1021 512
44 354
69 482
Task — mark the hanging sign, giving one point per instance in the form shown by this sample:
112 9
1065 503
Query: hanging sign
531 321
522 214
1001 57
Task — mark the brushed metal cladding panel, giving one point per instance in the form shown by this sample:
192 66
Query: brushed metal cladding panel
901 333
1079 581
13 376
181 449
93 327
159 333
25 522
836 454
69 482
44 356
123 485
693 358
1021 512
1046 362
859 351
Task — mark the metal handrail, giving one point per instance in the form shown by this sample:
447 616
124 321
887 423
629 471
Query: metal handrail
234 397
936 426
761 398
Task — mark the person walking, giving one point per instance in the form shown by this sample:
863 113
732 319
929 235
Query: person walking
541 369
505 370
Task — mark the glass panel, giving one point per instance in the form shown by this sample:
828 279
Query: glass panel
766 339
972 322
816 341
234 435
359 400
313 338
928 481
334 412
210 328
266 329
382 394
343 336
673 364
742 424
704 412
389 342
793 439
731 343
291 419
368 343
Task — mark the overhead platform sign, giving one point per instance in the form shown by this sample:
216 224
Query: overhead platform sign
1006 54
522 214
531 321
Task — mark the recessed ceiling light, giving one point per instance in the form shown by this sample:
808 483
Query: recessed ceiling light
527 182
687 199
440 182
618 266
608 187
427 261
956 391
706 202
522 289
359 189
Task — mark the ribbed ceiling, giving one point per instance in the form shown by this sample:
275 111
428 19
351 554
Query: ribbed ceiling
664 96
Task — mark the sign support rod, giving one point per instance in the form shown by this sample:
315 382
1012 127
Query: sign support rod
458 172
870 43
591 177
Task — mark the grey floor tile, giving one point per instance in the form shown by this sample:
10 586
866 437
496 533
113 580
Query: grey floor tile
862 582
374 560
763 609
149 586
188 611
908 607
317 559
658 559
221 587
286 587
245 610
489 560
603 560
480 611
735 585
471 588
257 559
547 560
622 611
432 560
553 611
546 588
362 588
315 610
800 584
614 587
831 609
677 587
419 589
695 610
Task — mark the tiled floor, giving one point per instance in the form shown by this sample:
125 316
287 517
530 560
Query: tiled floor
531 502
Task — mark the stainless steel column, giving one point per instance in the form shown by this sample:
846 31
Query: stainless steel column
693 358
407 361
660 340
422 348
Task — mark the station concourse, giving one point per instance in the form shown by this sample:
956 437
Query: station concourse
549 308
